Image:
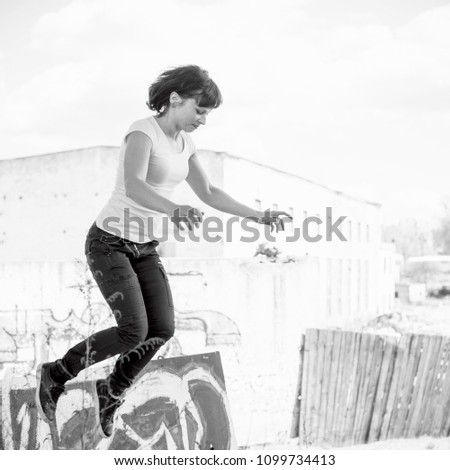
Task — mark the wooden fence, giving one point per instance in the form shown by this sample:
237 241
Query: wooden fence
355 388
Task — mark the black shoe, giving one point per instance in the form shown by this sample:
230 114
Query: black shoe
105 407
47 392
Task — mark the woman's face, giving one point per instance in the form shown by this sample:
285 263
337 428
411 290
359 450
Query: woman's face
189 115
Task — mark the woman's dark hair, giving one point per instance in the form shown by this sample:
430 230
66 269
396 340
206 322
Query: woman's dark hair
189 81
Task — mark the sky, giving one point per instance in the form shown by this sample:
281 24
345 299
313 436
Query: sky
353 94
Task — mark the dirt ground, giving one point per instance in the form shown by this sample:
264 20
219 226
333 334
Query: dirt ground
431 317
422 443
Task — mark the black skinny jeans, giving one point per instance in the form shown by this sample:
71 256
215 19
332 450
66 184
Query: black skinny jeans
134 283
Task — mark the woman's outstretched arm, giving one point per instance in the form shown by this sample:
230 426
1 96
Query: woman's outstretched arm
219 199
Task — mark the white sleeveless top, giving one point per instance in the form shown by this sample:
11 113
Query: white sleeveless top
121 214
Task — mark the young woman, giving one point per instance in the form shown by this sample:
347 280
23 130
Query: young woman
157 153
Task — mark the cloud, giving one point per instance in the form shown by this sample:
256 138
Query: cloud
184 26
429 28
337 101
105 56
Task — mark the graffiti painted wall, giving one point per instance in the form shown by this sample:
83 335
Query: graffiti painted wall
176 403
256 332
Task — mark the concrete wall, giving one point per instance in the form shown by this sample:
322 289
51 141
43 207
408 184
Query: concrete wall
244 289
313 291
269 304
48 202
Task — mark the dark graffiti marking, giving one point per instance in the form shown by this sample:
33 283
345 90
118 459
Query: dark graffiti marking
175 403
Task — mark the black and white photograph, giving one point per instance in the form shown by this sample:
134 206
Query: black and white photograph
224 226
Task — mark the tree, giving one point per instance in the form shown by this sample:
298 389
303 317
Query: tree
441 235
411 237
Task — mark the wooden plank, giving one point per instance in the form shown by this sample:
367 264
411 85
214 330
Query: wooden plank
427 385
371 393
401 385
382 392
392 402
413 419
298 391
302 436
410 385
431 375
353 396
436 408
344 386
367 392
310 356
332 411
362 364
2 446
351 375
445 425
315 409
325 386
424 409
410 372
337 411
362 392
427 378
315 423
446 421
338 359
444 398
356 397
367 350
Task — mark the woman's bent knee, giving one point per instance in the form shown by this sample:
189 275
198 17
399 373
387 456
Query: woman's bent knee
167 332
170 332
163 334
134 337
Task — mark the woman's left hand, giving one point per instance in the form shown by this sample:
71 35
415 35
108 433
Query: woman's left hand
276 219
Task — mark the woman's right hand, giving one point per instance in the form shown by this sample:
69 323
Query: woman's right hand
191 216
